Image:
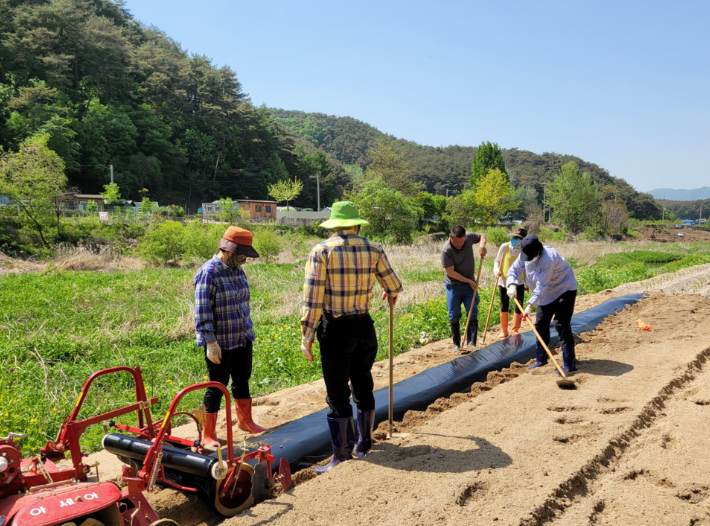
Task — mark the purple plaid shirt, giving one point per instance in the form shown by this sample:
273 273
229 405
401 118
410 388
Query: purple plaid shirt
222 305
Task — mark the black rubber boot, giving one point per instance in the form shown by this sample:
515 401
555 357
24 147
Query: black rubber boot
456 335
342 438
472 333
365 424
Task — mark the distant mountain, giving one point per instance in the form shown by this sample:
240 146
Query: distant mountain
681 195
447 169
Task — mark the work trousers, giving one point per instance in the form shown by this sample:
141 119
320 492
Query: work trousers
235 363
505 300
561 309
458 294
348 347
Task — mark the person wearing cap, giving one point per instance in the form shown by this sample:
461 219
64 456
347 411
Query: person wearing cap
507 254
224 328
460 266
340 273
554 289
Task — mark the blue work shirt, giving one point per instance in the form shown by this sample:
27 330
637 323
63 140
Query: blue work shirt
548 276
222 305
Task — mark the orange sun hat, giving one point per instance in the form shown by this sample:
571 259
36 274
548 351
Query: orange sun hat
238 241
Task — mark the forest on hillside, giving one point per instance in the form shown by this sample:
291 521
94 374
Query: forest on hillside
108 90
442 169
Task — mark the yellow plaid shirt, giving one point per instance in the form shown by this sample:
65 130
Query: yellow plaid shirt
340 273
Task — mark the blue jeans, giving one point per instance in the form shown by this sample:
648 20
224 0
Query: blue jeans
455 296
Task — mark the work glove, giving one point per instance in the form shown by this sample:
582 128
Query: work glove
512 290
214 353
527 311
385 297
306 350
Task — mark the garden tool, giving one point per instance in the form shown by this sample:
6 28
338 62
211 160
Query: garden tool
564 382
490 309
473 302
391 392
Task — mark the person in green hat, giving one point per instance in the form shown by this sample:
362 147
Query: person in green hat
340 274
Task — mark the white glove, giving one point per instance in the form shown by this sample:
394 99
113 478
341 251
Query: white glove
214 353
512 290
526 312
306 350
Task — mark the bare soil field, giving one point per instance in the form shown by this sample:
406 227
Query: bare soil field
627 447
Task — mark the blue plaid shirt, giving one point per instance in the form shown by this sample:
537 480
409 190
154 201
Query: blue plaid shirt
222 305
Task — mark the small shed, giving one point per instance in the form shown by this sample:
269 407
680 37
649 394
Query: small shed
259 209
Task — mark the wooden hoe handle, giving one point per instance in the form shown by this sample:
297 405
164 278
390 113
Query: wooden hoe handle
473 301
532 326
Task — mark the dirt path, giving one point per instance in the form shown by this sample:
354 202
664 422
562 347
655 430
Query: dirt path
446 454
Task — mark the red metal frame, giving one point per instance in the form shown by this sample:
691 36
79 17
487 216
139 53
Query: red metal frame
38 471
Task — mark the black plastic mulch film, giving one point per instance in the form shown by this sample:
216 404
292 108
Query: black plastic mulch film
309 436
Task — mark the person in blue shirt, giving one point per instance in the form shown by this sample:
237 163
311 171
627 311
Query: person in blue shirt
554 289
225 330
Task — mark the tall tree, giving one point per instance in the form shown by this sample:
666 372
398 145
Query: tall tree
390 166
488 157
34 178
495 197
574 199
285 190
387 210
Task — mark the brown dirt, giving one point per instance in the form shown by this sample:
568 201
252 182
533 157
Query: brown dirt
523 451
670 234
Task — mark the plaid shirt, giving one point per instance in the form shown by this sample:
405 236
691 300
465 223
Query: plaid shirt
340 273
222 305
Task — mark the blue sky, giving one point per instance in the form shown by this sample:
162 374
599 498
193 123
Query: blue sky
624 84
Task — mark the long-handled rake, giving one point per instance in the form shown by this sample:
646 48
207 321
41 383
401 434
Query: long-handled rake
490 309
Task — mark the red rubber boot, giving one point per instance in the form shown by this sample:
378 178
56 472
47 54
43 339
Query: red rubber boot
244 419
209 435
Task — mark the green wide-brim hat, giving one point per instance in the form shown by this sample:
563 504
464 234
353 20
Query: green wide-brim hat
344 214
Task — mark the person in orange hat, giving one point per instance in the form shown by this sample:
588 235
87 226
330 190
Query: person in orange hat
225 330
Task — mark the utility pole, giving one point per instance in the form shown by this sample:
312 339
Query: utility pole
111 168
447 193
544 201
700 217
318 189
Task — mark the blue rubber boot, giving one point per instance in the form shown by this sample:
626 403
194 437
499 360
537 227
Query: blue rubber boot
569 360
342 438
365 424
540 357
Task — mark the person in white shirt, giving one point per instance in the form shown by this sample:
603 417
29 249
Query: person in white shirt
507 254
554 289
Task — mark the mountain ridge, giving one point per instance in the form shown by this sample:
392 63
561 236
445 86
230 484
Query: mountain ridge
673 194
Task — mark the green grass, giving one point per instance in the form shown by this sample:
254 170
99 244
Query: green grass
57 328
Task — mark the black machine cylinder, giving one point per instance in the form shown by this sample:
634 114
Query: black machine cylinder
174 458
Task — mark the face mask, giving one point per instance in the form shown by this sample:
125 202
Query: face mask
514 242
235 261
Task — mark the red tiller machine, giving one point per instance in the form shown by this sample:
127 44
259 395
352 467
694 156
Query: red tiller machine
36 492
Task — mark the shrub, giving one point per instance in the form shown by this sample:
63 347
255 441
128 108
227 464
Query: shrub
163 242
267 243
547 235
497 235
201 240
